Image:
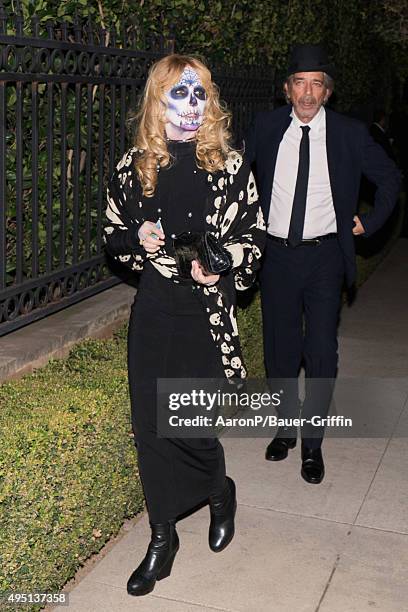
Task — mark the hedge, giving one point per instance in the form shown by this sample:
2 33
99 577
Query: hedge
68 469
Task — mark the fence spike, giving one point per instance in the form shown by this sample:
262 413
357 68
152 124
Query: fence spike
134 28
90 31
132 37
19 23
3 19
64 30
171 39
35 25
77 27
50 29
123 33
102 35
112 36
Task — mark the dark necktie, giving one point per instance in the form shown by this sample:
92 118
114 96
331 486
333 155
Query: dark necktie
297 219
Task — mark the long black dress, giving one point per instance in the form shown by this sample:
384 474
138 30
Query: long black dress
181 330
169 338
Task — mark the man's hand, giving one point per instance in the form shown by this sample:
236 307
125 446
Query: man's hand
358 229
147 235
198 275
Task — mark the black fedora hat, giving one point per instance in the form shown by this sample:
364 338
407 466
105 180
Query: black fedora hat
310 58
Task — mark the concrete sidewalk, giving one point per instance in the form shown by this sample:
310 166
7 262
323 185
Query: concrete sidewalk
341 546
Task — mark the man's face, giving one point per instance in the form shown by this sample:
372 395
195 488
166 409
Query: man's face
186 101
307 92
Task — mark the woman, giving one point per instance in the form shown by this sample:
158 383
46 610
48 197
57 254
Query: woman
181 176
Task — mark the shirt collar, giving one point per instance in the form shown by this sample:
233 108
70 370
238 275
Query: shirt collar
315 124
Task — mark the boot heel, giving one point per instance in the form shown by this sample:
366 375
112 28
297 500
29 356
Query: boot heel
158 560
223 507
166 569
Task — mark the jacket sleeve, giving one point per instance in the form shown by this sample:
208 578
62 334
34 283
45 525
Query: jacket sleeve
243 230
120 231
382 171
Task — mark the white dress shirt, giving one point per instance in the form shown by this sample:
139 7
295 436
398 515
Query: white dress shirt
320 217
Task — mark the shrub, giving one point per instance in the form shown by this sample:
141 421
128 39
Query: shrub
68 469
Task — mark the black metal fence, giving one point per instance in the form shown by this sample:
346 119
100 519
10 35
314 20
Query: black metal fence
65 93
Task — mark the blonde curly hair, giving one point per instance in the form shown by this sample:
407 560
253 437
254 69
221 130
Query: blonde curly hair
213 137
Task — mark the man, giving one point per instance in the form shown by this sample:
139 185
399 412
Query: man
308 162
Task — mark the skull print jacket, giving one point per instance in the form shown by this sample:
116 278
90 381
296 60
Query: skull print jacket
232 215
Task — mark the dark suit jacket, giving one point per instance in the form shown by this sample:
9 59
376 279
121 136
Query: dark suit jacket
351 152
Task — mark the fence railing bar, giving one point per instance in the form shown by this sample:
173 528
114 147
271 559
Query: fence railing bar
18 22
101 145
112 136
56 306
35 26
59 273
63 179
88 170
122 119
3 20
133 98
67 78
50 177
3 211
76 173
77 46
19 184
34 181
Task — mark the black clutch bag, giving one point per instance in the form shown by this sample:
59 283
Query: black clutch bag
203 247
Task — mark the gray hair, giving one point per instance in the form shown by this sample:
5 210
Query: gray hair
328 82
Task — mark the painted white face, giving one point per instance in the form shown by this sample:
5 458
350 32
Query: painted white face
186 101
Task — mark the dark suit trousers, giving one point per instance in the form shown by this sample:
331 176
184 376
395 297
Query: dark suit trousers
301 296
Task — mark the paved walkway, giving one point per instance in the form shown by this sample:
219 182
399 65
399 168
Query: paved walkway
341 546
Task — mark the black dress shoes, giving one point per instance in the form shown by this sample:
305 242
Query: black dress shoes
223 507
158 561
278 448
312 465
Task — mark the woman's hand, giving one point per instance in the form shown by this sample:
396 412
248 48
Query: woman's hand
200 277
147 236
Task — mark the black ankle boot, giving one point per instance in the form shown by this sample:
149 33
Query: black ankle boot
158 561
222 509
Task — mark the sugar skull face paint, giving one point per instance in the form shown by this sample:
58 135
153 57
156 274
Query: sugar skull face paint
186 101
